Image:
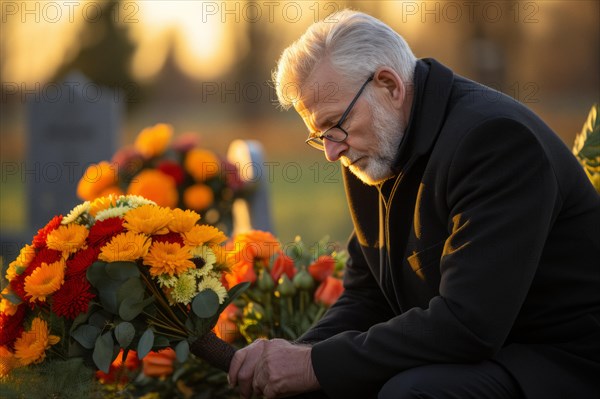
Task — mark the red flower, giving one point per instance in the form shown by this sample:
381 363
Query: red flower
11 327
232 175
44 255
329 291
172 169
104 230
171 238
283 264
322 267
72 298
118 371
81 261
39 240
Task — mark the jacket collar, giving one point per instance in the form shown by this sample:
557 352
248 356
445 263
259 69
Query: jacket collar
432 87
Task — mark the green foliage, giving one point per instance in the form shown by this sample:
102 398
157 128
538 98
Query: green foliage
587 147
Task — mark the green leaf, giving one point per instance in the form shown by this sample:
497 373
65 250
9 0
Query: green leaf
130 308
96 272
12 298
122 270
108 299
161 341
103 352
145 344
124 334
182 351
132 288
205 304
587 142
86 335
100 319
234 293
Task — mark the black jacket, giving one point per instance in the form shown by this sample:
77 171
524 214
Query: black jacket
486 245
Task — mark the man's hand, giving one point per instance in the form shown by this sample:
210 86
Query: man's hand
284 369
243 365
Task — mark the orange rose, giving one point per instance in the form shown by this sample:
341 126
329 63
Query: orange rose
159 364
283 264
156 186
329 291
322 267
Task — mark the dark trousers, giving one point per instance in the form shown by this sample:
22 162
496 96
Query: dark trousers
486 380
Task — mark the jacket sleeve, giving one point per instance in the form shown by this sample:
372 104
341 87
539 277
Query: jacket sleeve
502 197
360 306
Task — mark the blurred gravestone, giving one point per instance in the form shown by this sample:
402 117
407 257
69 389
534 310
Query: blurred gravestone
253 210
71 124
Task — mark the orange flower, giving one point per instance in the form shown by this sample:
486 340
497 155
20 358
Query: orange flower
198 197
322 267
31 346
102 203
201 164
226 328
240 272
168 258
148 219
329 291
159 364
25 257
8 361
203 234
183 221
45 280
153 141
128 246
256 244
111 190
283 265
96 179
67 239
156 186
117 371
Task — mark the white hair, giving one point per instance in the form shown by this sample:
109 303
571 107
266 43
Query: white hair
354 43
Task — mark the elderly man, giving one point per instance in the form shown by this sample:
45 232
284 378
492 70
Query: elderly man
474 264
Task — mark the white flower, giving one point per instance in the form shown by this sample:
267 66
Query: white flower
76 212
135 201
118 211
207 254
166 280
211 283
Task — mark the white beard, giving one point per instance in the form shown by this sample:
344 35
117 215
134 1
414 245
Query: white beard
377 168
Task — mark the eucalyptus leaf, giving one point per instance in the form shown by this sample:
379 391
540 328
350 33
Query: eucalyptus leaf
132 288
130 308
205 304
100 319
161 341
234 293
122 270
124 333
145 344
86 335
108 299
96 272
103 352
182 351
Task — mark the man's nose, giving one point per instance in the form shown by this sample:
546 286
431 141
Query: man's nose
333 150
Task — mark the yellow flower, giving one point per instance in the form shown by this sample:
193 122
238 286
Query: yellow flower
45 280
76 212
168 258
25 257
201 164
203 234
6 306
8 361
96 179
148 219
31 346
68 239
128 246
153 141
198 196
155 185
102 203
183 221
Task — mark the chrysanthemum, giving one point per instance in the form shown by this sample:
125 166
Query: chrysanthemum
40 238
166 280
26 255
31 346
11 326
207 255
136 201
8 361
102 203
154 184
80 262
203 234
128 246
44 255
76 212
183 221
148 219
116 212
73 298
168 258
45 280
103 230
67 239
184 289
212 282
153 141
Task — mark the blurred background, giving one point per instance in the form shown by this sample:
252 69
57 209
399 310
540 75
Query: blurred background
205 66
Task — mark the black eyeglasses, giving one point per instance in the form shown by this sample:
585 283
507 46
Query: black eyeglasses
335 133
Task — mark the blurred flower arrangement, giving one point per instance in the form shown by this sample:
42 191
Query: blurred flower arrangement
171 172
116 275
587 147
291 286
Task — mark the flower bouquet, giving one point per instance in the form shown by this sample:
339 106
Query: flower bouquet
171 172
291 286
119 273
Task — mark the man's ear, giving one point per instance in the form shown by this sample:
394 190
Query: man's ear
394 88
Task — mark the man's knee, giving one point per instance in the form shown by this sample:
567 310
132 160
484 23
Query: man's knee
406 385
